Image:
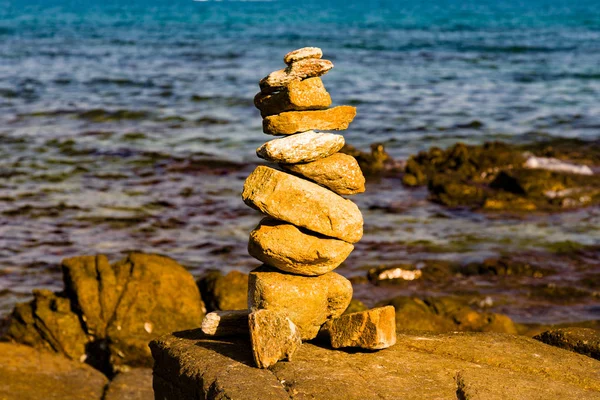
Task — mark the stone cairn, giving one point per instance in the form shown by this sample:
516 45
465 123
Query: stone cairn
309 229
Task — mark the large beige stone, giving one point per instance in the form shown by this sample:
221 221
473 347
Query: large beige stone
372 329
297 71
338 172
451 366
304 147
301 54
291 249
302 203
309 301
290 122
273 336
309 94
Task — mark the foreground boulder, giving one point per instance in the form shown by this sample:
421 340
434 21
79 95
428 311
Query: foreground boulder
30 374
309 301
584 341
108 313
302 203
425 366
371 329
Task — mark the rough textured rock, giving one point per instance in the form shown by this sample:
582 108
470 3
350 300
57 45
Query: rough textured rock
110 312
135 384
301 54
290 249
445 314
580 340
273 337
302 203
47 323
425 366
338 172
224 292
309 94
287 123
30 374
372 329
304 147
226 323
299 70
308 301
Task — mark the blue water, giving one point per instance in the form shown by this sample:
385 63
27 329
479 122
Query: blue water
176 80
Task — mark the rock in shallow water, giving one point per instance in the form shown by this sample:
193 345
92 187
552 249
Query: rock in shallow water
273 336
372 329
308 301
288 123
304 147
309 94
299 70
338 172
289 249
302 203
425 366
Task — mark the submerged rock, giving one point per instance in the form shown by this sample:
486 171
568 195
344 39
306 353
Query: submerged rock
287 123
309 301
305 204
30 374
580 340
273 337
424 366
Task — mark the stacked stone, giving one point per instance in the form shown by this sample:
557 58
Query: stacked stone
310 228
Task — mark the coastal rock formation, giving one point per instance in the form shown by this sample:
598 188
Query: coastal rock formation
338 172
273 336
309 301
302 148
288 123
372 329
303 203
30 374
290 249
423 366
309 94
108 313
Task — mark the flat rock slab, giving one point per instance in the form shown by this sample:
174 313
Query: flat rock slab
290 122
581 340
304 147
288 198
29 374
290 249
444 366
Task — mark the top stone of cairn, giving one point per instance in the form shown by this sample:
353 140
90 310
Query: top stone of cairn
301 54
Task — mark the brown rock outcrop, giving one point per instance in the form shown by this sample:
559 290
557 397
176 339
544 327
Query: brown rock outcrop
372 329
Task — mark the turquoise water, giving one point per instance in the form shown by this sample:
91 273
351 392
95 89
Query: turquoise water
130 125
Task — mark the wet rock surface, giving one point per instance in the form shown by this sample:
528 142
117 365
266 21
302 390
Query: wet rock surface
30 374
482 365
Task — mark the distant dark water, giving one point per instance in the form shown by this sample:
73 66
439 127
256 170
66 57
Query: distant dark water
130 125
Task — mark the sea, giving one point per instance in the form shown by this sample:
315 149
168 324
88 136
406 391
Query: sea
130 125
